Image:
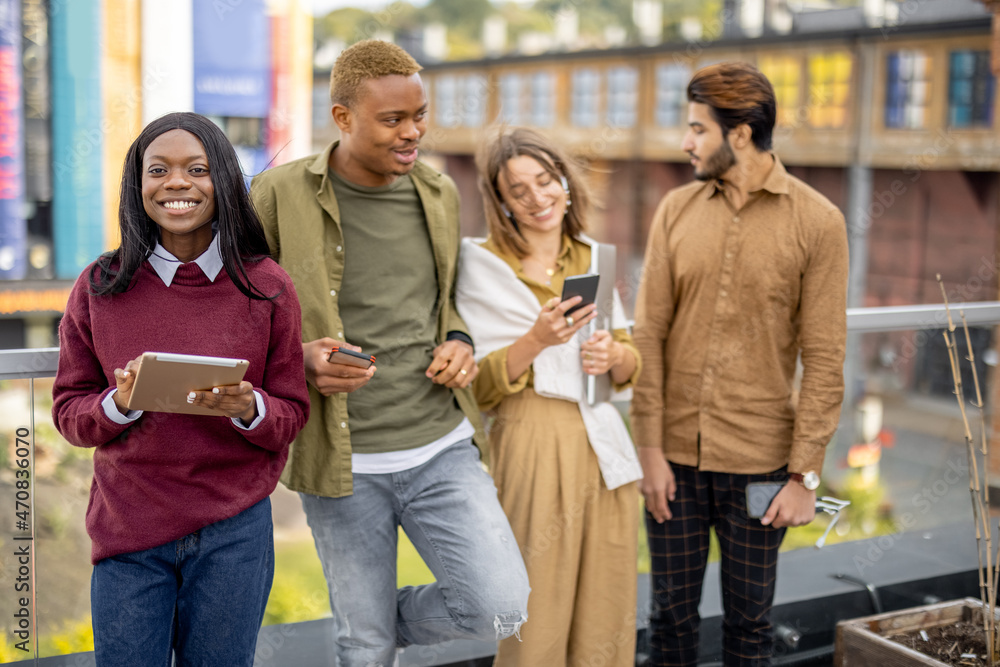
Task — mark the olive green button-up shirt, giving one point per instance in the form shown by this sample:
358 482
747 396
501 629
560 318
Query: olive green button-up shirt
729 300
301 219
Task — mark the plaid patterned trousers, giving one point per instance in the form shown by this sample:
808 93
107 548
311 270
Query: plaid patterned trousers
679 551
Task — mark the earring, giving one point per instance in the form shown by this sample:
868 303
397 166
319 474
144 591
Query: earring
565 185
506 211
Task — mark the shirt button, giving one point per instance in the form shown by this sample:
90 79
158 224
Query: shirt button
343 424
339 248
729 255
340 334
722 293
735 219
333 292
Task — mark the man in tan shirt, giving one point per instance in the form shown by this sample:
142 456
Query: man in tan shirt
745 272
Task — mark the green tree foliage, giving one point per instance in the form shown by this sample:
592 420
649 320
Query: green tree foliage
464 16
709 13
340 24
464 20
595 15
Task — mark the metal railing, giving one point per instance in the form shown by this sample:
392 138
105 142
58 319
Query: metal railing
43 362
895 318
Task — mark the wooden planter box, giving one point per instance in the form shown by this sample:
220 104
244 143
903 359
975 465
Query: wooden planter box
860 641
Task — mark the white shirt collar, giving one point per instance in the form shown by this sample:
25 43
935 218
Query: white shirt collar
165 264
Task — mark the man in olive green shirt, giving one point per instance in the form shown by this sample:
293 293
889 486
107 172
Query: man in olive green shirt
369 236
745 272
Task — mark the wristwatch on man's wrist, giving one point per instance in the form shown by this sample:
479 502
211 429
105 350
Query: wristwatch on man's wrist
810 480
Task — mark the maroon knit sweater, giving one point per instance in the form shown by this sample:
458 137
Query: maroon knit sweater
167 475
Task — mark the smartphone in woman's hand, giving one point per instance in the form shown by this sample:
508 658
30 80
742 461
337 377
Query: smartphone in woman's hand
583 286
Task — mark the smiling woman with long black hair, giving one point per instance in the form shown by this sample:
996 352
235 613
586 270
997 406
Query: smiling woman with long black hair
179 514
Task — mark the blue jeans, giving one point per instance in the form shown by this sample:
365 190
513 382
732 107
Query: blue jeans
201 597
449 510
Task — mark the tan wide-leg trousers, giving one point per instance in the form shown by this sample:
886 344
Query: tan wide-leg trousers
577 537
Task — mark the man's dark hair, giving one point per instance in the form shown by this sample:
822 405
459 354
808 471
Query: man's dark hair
737 93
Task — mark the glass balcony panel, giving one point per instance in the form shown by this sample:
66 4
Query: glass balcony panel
899 455
45 562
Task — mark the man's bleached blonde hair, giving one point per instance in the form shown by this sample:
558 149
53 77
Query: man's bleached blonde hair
370 59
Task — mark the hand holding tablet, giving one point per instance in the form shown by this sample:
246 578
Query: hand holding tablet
164 380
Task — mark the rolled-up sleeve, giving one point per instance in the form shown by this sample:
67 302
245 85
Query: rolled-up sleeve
492 384
623 337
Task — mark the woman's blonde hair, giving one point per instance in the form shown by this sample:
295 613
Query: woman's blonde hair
491 161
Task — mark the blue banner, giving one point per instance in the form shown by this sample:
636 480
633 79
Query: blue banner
13 228
232 59
77 136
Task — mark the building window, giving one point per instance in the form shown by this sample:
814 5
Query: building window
671 94
543 99
622 96
829 89
511 99
907 89
785 74
475 95
321 106
445 101
970 89
585 98
460 101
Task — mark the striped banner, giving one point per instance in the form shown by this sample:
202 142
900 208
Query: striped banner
13 228
77 136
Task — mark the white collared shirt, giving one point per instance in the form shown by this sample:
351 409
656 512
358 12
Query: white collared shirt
165 265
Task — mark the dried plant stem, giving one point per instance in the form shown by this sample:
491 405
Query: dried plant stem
984 447
992 574
977 510
980 510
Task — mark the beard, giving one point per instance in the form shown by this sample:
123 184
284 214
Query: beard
717 163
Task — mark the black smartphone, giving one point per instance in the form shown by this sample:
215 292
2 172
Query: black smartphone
759 497
583 285
341 355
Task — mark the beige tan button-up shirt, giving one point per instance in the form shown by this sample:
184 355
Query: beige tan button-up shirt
729 300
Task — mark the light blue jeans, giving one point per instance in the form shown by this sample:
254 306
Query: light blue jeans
449 510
